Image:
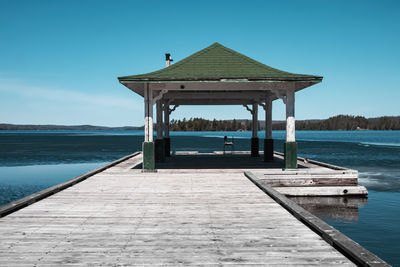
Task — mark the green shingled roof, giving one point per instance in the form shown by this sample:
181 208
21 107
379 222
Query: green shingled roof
218 62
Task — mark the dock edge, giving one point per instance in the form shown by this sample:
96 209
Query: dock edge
29 200
348 247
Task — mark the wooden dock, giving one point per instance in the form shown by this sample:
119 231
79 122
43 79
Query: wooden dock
121 216
312 178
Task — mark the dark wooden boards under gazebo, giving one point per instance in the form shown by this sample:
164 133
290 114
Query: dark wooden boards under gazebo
217 75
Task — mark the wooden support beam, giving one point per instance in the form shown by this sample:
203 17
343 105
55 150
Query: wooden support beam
166 119
255 120
268 117
159 120
233 95
268 142
167 141
223 85
182 102
273 87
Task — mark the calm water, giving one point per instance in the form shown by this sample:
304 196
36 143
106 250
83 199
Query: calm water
33 160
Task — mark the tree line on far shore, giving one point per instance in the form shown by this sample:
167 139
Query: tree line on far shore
340 122
199 124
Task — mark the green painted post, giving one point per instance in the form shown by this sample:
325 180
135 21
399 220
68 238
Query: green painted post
290 150
148 156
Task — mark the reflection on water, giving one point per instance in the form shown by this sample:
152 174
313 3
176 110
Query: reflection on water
340 209
20 181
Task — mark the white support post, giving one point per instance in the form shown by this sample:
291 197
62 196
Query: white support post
290 148
268 118
290 120
159 120
255 120
150 120
148 145
148 111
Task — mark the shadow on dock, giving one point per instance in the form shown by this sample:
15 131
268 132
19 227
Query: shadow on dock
310 179
218 160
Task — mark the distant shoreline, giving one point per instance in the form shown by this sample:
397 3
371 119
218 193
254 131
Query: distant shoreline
339 130
337 123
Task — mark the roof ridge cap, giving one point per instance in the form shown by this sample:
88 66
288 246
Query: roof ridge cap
184 60
249 59
189 58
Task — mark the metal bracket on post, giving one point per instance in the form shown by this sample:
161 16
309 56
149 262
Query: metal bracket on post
280 95
160 95
172 109
263 105
249 109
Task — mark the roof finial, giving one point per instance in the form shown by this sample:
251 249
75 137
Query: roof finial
168 59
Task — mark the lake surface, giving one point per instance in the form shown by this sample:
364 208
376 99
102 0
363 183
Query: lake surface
34 160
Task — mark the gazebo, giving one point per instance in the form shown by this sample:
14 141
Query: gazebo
217 75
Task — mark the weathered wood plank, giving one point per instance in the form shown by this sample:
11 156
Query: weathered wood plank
323 190
23 202
189 216
122 216
353 250
297 181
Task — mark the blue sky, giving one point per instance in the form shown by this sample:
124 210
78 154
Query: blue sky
59 60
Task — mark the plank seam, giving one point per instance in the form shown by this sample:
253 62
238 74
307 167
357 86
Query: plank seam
348 247
322 164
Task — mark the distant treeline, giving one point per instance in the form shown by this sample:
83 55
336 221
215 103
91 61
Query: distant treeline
199 124
347 123
340 122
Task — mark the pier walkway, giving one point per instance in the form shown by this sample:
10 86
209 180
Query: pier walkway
121 216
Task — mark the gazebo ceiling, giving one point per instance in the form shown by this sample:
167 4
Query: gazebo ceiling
219 75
